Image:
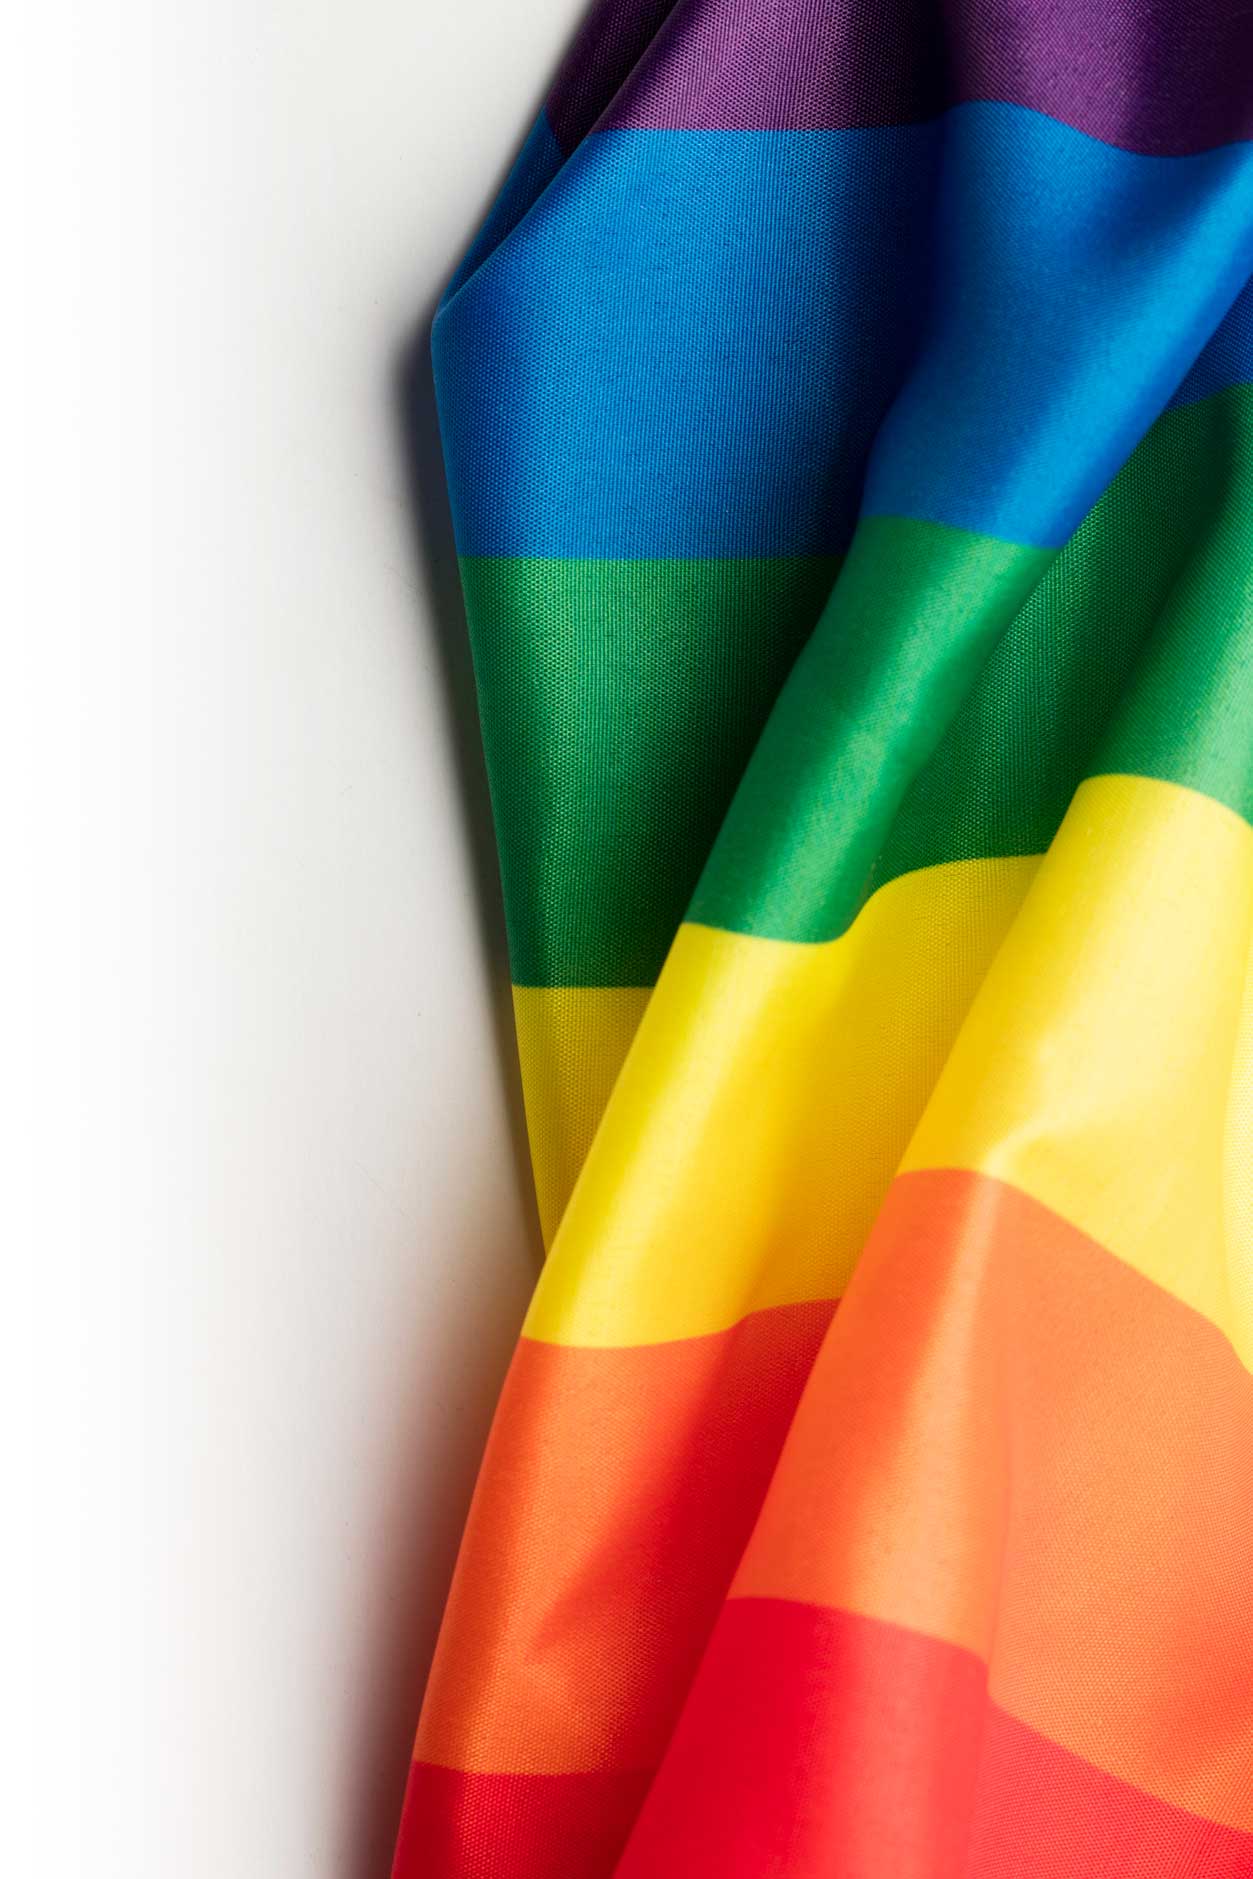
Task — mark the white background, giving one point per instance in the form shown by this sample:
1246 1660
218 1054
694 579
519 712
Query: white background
266 1230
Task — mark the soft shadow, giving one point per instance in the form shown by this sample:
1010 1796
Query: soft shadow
428 1504
414 1546
439 583
426 1511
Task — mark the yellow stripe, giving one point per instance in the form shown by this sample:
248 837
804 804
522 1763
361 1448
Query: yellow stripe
763 1109
571 1043
1104 1068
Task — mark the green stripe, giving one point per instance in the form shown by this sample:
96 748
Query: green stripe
1131 655
1189 714
956 690
915 612
620 701
928 721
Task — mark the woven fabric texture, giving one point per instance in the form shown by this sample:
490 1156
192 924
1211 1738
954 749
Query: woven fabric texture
848 418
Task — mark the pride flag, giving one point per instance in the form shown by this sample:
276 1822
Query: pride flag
848 414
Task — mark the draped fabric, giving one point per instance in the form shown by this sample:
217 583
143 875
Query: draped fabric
848 415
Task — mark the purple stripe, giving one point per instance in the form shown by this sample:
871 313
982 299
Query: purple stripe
1164 77
788 65
613 37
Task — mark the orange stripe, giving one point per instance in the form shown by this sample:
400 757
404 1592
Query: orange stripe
617 1491
1046 1459
1095 1067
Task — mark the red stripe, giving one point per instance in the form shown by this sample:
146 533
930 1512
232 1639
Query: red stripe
467 1826
1045 1459
816 1744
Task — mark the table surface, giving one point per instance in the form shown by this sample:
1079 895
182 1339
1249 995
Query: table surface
273 1217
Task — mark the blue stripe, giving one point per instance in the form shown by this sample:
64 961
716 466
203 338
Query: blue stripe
1076 283
688 340
686 347
1227 360
534 167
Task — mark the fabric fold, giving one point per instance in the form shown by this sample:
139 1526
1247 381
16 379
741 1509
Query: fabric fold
848 416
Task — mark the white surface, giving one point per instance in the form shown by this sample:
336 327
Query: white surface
267 1236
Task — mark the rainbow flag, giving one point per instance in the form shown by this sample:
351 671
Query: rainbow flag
848 413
